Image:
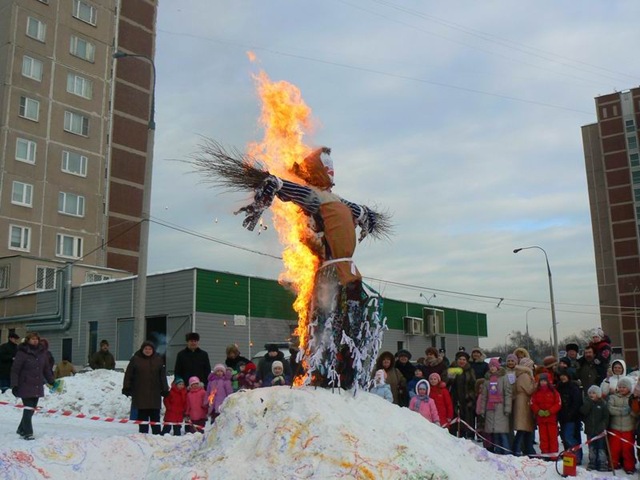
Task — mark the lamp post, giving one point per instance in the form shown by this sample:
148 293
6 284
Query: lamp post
139 319
553 306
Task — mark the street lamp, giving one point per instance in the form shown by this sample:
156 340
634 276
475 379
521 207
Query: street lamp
553 306
139 319
428 299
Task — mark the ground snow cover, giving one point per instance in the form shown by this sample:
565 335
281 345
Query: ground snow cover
271 433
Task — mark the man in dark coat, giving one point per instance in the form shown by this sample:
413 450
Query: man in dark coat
145 381
29 372
103 359
193 361
480 367
463 394
589 372
7 352
273 354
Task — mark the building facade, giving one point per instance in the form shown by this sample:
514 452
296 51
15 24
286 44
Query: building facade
73 129
224 308
612 160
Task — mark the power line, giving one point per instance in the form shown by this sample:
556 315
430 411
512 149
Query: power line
387 74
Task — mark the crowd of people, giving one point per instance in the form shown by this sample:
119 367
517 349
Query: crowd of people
498 403
501 404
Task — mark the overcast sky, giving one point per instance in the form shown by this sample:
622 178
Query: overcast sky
461 118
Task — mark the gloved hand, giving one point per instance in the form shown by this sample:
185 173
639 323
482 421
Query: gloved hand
543 413
14 390
126 392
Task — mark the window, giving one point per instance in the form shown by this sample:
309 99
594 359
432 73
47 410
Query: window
635 177
85 12
68 246
36 29
76 123
19 238
32 68
630 125
79 85
604 112
96 277
615 110
82 48
74 163
71 204
67 348
45 278
5 270
635 160
29 108
636 194
633 142
26 150
22 194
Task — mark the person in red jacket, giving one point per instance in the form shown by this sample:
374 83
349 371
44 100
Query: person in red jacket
440 395
545 404
175 405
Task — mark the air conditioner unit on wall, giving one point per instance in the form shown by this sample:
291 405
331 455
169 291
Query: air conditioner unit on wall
433 320
413 325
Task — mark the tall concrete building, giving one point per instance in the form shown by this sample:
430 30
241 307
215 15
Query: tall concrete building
612 161
73 134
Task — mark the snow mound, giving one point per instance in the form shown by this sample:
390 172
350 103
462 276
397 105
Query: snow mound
286 433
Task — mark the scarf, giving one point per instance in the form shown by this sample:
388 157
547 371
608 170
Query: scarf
419 400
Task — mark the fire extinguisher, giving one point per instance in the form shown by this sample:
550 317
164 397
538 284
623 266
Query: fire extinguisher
569 464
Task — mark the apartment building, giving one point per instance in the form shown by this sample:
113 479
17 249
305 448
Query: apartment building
73 133
612 160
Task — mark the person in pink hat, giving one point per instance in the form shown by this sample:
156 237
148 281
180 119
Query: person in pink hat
197 406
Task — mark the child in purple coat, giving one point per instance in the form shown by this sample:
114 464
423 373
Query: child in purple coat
422 404
218 388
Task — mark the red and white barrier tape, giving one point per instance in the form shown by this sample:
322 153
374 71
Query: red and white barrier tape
70 414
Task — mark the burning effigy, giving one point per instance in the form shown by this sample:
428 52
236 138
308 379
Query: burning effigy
340 322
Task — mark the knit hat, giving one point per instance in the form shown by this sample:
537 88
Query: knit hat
494 362
275 365
566 361
564 371
193 380
595 389
543 376
477 349
625 382
597 332
251 367
512 357
380 377
526 362
403 353
435 376
219 366
178 380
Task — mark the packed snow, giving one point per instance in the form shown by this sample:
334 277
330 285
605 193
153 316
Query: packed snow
269 433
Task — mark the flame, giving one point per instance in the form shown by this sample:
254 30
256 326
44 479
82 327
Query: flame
212 395
286 119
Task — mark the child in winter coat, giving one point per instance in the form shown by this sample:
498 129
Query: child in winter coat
495 407
175 406
422 404
442 398
380 387
247 377
218 389
277 376
411 384
621 426
596 420
545 404
196 406
610 384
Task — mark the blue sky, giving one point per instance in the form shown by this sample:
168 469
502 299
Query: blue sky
462 119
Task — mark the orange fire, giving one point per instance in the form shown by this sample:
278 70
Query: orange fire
286 119
211 397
